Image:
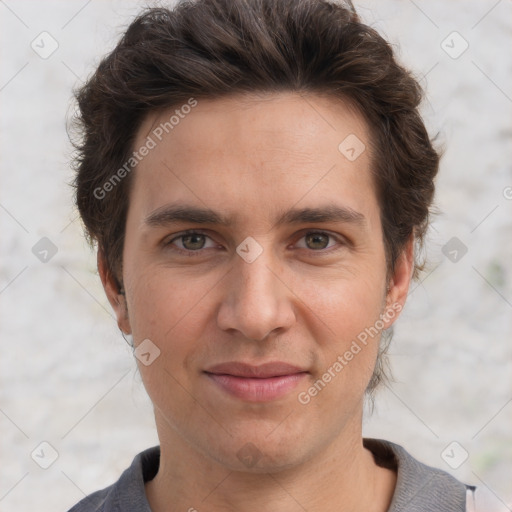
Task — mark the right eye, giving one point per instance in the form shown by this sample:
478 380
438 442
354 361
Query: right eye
190 242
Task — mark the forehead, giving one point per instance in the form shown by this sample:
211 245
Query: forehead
252 119
255 151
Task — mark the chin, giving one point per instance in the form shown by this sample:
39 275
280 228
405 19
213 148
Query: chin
260 454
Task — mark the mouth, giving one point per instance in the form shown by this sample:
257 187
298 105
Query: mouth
263 383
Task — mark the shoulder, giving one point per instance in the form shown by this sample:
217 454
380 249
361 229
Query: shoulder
419 487
127 494
93 502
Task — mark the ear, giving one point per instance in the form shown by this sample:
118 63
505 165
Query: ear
399 282
115 297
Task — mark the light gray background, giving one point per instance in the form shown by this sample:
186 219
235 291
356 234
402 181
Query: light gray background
67 376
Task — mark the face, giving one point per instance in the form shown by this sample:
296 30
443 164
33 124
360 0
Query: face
251 238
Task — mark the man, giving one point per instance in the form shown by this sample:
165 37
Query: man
257 177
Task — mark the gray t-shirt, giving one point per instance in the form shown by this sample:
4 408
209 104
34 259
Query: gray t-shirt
419 488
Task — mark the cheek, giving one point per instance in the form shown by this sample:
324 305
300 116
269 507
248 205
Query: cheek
346 315
162 298
170 310
343 303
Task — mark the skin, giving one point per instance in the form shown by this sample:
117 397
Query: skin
298 302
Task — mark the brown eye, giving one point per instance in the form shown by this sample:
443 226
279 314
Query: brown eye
317 240
193 241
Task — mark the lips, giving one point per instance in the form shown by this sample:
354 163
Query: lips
262 383
264 371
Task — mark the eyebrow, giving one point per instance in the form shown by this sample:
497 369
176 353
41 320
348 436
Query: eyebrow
174 213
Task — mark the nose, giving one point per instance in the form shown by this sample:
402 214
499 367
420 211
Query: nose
256 300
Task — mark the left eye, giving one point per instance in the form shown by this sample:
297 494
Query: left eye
316 240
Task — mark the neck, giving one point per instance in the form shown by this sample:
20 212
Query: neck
343 477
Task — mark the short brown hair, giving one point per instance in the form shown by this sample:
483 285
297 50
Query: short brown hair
214 48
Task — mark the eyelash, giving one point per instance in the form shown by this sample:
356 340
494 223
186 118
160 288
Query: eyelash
198 252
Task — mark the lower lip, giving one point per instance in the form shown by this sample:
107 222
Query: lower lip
257 390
